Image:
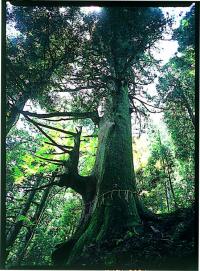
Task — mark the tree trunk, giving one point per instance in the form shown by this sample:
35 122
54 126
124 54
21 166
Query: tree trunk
114 210
189 109
115 207
13 114
166 195
167 171
170 184
14 231
35 220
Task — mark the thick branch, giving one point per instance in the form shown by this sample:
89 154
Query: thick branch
13 114
84 185
53 128
61 114
60 89
64 119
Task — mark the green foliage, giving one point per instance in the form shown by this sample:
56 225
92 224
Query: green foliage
153 180
185 34
45 44
87 159
110 260
20 156
176 89
26 220
53 228
70 216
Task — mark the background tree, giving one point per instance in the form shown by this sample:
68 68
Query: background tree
185 33
159 179
176 89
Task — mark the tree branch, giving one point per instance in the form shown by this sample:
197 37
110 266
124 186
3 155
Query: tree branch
145 103
51 160
64 119
60 89
60 114
45 134
42 187
55 153
59 146
53 128
91 136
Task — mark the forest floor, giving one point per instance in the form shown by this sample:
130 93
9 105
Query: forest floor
168 243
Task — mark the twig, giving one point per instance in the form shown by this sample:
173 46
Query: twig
51 160
59 146
42 186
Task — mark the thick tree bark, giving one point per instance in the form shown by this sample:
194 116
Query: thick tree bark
111 204
114 210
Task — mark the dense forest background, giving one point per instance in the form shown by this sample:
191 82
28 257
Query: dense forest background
60 65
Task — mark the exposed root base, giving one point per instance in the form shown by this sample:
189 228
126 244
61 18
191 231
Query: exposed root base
164 244
152 249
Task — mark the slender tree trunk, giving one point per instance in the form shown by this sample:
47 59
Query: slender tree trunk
35 220
166 196
171 186
165 181
161 201
167 172
13 115
14 231
189 109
